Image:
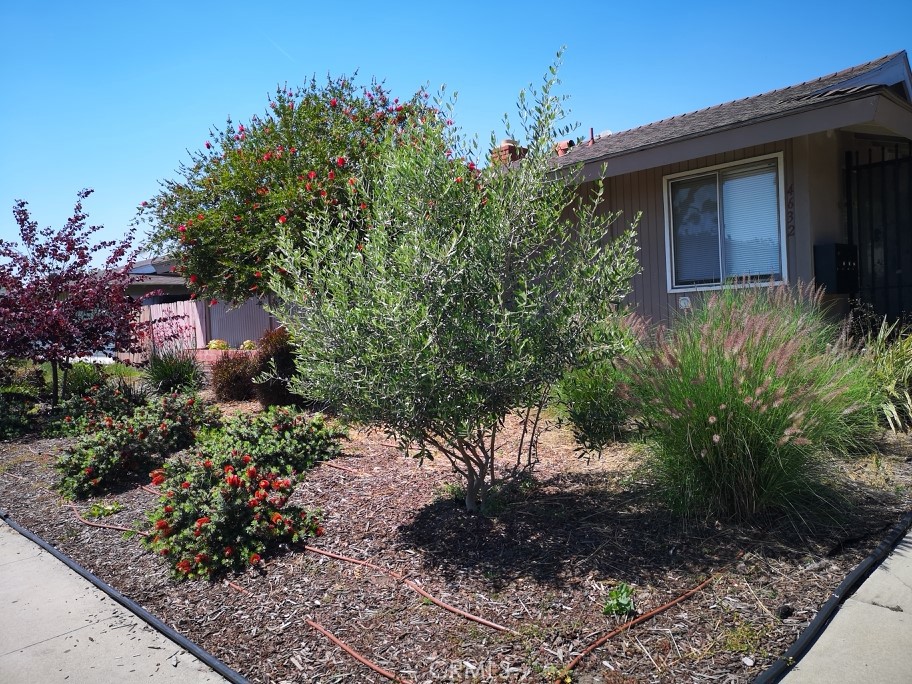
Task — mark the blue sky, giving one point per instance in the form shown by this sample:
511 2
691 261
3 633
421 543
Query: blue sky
111 95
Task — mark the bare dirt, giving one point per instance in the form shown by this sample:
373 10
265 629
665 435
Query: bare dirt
541 562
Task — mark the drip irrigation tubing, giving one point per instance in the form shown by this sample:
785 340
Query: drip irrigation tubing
146 488
354 654
414 587
330 464
140 612
849 585
105 526
630 623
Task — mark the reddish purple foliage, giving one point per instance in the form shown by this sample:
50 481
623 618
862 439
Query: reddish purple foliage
55 303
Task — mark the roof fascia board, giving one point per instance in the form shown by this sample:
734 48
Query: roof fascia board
839 115
895 115
889 73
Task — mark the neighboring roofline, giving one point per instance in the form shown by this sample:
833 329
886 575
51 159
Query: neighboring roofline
879 107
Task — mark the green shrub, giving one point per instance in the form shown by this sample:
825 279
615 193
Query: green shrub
742 399
16 416
248 345
174 371
232 377
889 351
116 447
79 377
220 345
225 508
597 411
274 368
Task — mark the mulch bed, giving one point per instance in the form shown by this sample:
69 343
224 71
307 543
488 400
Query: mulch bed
540 563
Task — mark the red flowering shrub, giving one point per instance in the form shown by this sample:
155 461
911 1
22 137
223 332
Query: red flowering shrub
288 167
115 446
88 410
223 509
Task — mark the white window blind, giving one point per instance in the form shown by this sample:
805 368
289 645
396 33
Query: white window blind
750 220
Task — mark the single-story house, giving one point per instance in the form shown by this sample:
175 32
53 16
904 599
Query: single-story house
200 321
812 181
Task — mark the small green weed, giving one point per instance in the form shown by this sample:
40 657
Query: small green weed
101 510
620 600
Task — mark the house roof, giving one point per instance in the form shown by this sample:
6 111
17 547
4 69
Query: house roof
891 71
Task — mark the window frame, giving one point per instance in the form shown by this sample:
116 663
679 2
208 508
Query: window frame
667 180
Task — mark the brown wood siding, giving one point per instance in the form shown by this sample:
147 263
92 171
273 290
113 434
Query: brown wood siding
643 191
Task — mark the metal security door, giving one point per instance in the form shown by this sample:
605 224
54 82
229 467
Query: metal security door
879 208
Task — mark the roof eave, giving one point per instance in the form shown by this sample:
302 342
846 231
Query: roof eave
880 107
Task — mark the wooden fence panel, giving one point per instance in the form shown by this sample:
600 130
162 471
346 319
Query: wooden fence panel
246 322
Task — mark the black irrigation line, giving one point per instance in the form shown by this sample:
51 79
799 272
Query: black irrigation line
775 672
182 641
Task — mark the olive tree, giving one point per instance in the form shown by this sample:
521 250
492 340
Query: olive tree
470 293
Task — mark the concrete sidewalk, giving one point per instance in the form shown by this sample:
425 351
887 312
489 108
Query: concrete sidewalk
56 626
870 637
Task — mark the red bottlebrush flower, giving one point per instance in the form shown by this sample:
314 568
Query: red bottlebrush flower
185 485
459 179
193 278
200 558
213 302
229 468
333 102
311 174
184 566
283 219
161 524
471 166
200 217
165 551
352 181
251 472
207 464
257 274
255 558
191 401
319 532
182 228
331 175
261 494
340 162
246 458
193 295
208 145
144 203
233 480
228 551
202 521
169 509
68 419
276 518
264 484
237 218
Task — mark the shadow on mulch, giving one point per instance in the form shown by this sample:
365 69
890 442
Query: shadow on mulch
573 526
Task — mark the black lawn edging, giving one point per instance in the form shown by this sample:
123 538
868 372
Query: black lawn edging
775 672
204 656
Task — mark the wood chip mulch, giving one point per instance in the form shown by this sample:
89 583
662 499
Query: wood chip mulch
541 563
